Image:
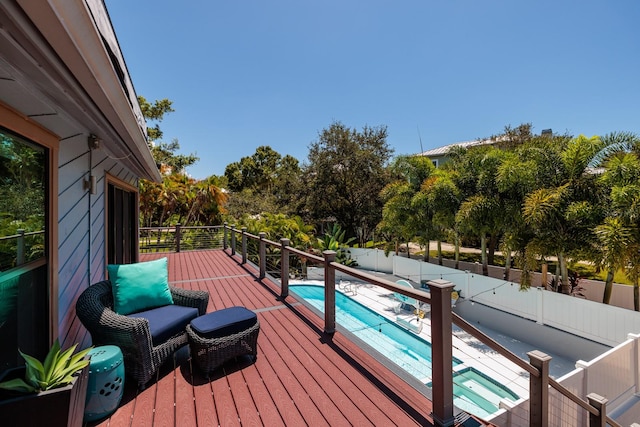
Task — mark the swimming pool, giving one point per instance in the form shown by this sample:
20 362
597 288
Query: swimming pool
473 391
477 393
405 349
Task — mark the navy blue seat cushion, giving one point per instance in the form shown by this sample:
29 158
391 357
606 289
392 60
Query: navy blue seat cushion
167 321
225 322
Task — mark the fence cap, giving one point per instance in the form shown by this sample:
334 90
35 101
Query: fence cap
440 283
537 354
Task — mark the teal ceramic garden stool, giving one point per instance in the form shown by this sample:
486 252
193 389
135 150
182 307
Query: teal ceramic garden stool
106 382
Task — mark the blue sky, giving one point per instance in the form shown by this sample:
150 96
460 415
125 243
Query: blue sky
247 73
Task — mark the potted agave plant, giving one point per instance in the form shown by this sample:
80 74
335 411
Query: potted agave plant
52 393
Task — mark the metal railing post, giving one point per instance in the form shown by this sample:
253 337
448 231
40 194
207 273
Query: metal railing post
178 237
20 249
244 245
284 268
600 403
224 237
262 253
233 239
441 352
539 389
329 292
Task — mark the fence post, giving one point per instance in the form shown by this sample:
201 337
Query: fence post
224 237
284 268
262 253
178 237
329 292
244 245
20 254
636 358
233 239
600 403
441 352
539 389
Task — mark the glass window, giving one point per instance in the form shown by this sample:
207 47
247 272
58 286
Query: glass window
22 192
23 259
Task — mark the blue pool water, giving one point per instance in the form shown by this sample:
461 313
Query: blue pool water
477 393
473 391
407 350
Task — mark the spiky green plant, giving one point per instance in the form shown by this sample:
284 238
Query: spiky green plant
58 370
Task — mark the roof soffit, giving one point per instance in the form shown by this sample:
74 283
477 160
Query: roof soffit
69 29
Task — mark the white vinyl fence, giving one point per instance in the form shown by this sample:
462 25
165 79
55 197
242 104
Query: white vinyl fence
598 322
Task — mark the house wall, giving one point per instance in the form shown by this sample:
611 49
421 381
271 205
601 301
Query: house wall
81 225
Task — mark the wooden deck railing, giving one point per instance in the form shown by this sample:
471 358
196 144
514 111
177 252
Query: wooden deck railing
442 319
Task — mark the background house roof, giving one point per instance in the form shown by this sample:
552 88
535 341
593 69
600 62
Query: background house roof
444 150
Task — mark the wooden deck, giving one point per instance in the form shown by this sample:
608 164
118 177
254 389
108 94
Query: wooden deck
301 376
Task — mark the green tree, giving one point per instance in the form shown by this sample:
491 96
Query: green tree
563 217
345 173
619 235
444 198
270 179
402 220
155 111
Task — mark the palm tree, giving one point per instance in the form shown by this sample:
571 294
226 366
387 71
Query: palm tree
443 197
614 239
477 215
620 233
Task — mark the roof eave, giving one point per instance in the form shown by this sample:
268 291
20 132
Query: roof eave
70 29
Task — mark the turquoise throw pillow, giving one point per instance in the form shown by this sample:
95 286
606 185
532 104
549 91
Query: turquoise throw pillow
139 286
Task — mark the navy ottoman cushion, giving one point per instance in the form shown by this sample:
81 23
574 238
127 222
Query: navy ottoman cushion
225 322
167 321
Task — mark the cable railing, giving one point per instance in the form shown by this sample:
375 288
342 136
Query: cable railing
20 248
442 319
282 261
180 238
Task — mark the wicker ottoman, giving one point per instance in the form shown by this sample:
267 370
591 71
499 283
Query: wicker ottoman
221 335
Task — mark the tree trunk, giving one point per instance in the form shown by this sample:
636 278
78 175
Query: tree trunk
636 296
483 250
425 257
564 272
439 252
408 251
608 287
507 264
457 251
491 248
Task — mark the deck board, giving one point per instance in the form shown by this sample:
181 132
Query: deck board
301 376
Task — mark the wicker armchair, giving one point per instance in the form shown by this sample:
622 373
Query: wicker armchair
141 357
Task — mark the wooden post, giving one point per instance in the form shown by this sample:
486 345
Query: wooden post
224 237
539 390
600 403
329 292
178 237
441 352
244 245
544 280
233 239
284 268
262 254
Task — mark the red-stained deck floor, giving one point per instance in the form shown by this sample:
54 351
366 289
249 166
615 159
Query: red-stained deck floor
301 376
